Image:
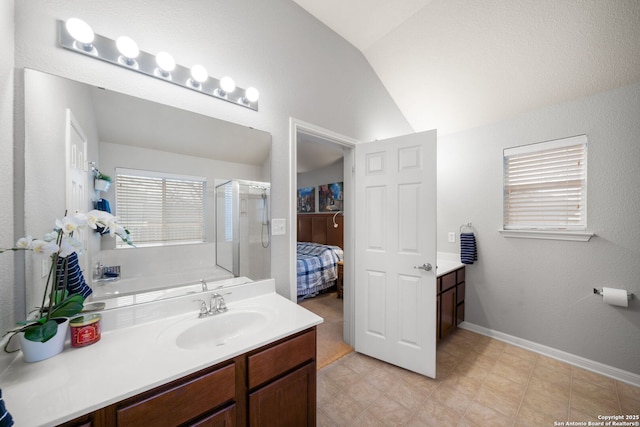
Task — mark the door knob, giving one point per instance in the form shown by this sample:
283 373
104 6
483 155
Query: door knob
425 267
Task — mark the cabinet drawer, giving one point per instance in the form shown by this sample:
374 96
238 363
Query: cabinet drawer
268 364
180 402
447 281
460 275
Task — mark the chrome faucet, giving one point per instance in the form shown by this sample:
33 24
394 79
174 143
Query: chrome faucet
217 305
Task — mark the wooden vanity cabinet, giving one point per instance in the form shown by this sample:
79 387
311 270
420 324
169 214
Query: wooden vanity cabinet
273 385
450 300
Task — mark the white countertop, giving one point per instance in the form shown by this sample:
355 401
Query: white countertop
447 262
132 359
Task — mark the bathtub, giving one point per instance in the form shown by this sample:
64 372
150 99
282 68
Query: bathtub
128 291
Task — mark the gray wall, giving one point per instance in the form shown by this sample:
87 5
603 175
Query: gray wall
7 293
542 290
301 68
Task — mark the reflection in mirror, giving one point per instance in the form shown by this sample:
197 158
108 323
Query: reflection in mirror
242 228
129 137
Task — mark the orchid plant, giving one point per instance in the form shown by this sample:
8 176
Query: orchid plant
60 244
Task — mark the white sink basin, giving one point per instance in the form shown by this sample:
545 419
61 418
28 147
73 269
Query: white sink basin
220 329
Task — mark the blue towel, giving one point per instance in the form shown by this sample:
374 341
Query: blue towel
468 250
5 417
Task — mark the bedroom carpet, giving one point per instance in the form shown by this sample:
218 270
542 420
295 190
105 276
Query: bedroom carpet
330 345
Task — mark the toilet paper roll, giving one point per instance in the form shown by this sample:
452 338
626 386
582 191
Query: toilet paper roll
614 296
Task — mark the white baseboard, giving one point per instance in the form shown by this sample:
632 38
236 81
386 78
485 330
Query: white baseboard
581 362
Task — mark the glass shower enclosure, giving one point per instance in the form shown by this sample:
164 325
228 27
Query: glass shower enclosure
243 238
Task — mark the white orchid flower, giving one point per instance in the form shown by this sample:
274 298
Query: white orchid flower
80 219
68 246
43 247
24 242
67 224
51 237
95 218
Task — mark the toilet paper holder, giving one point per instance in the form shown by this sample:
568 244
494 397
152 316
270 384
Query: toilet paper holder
599 292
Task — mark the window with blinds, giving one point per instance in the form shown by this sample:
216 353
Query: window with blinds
160 208
545 185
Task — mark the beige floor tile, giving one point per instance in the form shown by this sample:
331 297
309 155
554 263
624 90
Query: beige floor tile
597 379
449 397
467 385
629 398
554 364
520 353
532 417
490 383
389 411
323 420
579 416
556 391
410 395
501 394
363 392
545 403
367 419
479 415
341 376
592 399
342 410
556 376
381 378
512 373
433 413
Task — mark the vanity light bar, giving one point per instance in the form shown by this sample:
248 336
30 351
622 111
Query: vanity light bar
106 49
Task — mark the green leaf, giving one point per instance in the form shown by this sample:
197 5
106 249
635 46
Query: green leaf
69 307
42 333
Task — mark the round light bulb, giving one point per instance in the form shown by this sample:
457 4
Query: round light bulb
251 94
127 47
165 61
80 30
199 73
227 84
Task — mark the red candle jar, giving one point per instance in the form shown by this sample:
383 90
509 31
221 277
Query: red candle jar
85 330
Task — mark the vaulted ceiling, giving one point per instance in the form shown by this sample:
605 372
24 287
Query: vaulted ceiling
458 64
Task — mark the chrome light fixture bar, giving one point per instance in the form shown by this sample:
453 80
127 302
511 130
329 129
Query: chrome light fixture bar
77 36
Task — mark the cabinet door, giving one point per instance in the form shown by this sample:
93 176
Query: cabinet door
224 418
447 312
289 401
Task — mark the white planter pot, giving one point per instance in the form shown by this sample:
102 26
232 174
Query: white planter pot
101 185
36 351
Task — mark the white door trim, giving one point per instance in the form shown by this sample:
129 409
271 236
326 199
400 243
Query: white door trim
295 126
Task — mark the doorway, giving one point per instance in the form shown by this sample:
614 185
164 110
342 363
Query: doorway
325 140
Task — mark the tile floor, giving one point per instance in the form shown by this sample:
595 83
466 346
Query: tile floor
480 382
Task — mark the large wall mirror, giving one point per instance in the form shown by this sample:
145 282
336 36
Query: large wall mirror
72 127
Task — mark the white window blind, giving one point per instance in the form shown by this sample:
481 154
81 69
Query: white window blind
160 208
545 185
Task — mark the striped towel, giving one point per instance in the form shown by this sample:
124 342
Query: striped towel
75 282
5 417
468 250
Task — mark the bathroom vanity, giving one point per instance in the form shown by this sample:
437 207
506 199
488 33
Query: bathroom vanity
450 300
159 364
274 382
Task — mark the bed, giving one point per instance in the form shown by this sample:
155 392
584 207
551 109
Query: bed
319 249
317 267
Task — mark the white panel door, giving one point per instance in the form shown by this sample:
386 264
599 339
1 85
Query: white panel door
76 177
395 229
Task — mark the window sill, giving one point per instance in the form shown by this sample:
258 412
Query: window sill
574 236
